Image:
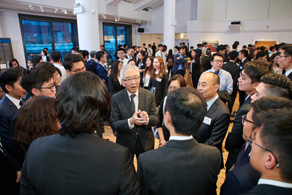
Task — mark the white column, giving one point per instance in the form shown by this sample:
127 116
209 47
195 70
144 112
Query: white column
168 26
88 25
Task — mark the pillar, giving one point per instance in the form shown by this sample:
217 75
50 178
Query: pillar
169 24
88 25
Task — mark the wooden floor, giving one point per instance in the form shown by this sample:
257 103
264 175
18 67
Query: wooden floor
221 177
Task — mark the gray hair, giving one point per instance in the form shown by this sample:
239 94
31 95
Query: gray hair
92 53
128 67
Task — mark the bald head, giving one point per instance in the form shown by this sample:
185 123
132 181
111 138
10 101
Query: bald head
208 85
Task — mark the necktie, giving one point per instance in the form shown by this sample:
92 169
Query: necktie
217 72
20 103
132 103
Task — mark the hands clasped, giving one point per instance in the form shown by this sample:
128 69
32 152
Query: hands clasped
139 118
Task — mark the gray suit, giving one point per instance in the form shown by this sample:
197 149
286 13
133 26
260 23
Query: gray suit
121 112
180 167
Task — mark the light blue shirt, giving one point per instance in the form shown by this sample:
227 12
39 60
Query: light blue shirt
226 81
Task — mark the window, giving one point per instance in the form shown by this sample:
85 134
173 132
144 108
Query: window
114 35
52 33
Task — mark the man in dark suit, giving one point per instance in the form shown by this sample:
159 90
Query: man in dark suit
271 152
242 56
206 61
11 102
92 63
216 121
77 161
182 166
234 70
247 82
285 60
133 113
179 62
101 68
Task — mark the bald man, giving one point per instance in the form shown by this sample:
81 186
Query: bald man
213 130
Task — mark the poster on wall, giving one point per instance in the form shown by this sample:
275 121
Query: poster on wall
5 52
212 43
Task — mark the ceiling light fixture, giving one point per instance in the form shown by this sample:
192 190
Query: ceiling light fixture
30 6
56 10
42 9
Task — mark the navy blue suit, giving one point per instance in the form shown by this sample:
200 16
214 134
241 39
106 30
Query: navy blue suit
177 62
242 177
91 66
102 73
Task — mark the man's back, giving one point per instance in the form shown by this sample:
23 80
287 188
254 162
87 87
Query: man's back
180 167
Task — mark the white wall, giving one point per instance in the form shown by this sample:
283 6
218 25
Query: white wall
10 28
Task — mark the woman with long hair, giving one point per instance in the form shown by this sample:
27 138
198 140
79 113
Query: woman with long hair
147 73
37 118
13 63
169 60
158 80
114 79
274 62
45 56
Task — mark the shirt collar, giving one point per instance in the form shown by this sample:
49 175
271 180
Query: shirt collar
243 59
13 100
274 183
181 138
129 94
212 70
211 102
288 72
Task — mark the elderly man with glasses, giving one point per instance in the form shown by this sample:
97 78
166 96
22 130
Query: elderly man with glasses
243 177
133 113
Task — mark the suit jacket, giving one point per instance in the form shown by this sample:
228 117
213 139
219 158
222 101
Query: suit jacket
121 112
177 62
205 63
91 66
12 149
161 87
269 190
243 63
114 86
180 167
165 131
85 164
290 76
234 140
214 133
102 73
242 177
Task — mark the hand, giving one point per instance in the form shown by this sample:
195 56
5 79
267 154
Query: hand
194 60
177 58
18 174
144 115
162 143
136 119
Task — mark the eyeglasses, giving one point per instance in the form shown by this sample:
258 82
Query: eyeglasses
172 88
218 61
246 120
250 141
132 79
283 56
52 88
79 70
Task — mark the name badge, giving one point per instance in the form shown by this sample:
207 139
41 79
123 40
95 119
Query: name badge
158 79
207 120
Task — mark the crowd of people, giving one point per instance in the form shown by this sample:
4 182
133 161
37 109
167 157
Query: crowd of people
53 114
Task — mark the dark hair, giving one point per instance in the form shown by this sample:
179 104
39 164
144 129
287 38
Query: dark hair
37 118
70 59
187 109
272 47
74 48
132 60
160 45
177 47
244 52
115 69
233 54
47 66
35 78
244 46
262 48
277 85
12 60
256 69
56 56
99 55
143 53
221 48
216 54
125 45
287 50
79 108
36 59
58 70
261 54
84 53
149 69
179 78
121 49
10 76
234 46
170 53
273 57
276 135
45 52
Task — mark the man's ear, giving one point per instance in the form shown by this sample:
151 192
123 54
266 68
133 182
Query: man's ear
123 83
68 72
168 117
270 161
216 87
255 84
8 88
35 92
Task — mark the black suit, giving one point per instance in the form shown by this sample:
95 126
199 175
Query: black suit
180 167
290 76
161 117
85 164
242 177
114 86
214 133
161 87
121 112
205 63
234 140
91 66
269 190
196 72
234 70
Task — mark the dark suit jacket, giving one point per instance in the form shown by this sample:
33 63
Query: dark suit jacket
114 86
121 112
180 167
290 76
102 73
234 140
205 63
91 66
161 88
264 189
243 63
242 177
85 164
182 60
160 124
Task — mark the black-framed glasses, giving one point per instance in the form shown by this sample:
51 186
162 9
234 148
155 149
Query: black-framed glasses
52 88
250 141
246 120
83 69
132 79
283 56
